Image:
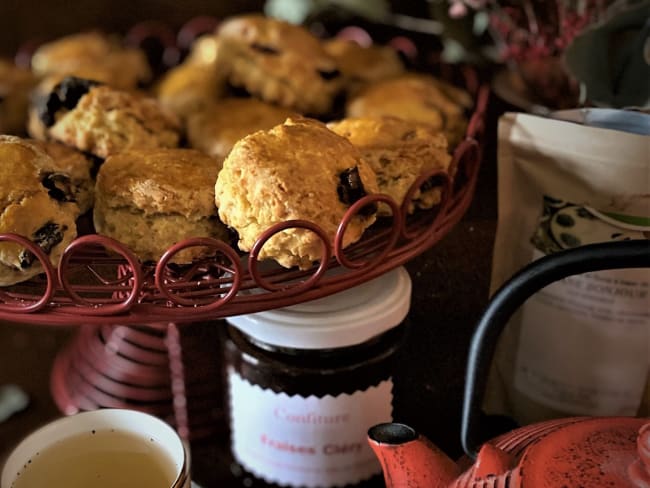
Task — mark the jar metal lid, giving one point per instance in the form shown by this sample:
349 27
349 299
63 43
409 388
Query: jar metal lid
344 319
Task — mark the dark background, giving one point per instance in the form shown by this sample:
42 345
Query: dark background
450 280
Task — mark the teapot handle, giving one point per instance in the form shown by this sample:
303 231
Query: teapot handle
513 293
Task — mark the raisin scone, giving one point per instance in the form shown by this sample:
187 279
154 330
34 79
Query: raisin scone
419 98
280 63
15 86
152 199
362 65
216 129
297 170
93 55
28 209
103 121
399 152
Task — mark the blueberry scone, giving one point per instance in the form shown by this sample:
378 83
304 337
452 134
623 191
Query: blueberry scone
15 86
152 199
29 208
297 170
216 129
101 120
361 65
399 152
93 55
419 98
280 63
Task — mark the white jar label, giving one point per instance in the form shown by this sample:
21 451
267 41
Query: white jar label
584 341
308 442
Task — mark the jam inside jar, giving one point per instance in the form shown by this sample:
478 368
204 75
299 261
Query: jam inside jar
307 382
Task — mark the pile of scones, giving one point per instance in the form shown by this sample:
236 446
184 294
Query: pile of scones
261 123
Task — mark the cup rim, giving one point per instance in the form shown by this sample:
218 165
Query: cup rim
6 478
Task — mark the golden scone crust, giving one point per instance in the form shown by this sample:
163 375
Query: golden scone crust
151 199
280 63
105 121
419 98
70 174
297 170
27 209
205 50
217 128
189 88
15 86
362 65
95 56
399 152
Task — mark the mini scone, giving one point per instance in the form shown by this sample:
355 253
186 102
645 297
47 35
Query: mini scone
217 128
152 199
28 209
362 65
399 152
280 63
419 98
297 170
15 86
69 176
93 55
189 88
103 121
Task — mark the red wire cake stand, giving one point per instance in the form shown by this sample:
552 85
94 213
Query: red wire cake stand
129 351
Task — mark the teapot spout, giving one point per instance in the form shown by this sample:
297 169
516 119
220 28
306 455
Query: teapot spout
410 460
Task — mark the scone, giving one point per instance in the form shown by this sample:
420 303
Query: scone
362 65
69 175
28 209
189 88
280 63
95 118
297 170
216 129
399 152
93 55
419 98
15 86
205 49
152 199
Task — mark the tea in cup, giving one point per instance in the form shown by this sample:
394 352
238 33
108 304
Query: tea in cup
103 448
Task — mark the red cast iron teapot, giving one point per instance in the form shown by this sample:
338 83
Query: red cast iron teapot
588 452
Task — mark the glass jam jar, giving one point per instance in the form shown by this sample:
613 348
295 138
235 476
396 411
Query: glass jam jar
307 382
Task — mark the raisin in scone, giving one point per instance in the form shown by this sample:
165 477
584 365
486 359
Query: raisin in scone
217 128
419 98
280 63
15 86
93 55
27 208
69 176
152 199
362 65
95 118
399 152
297 170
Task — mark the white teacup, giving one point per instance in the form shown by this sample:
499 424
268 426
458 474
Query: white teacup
95 441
